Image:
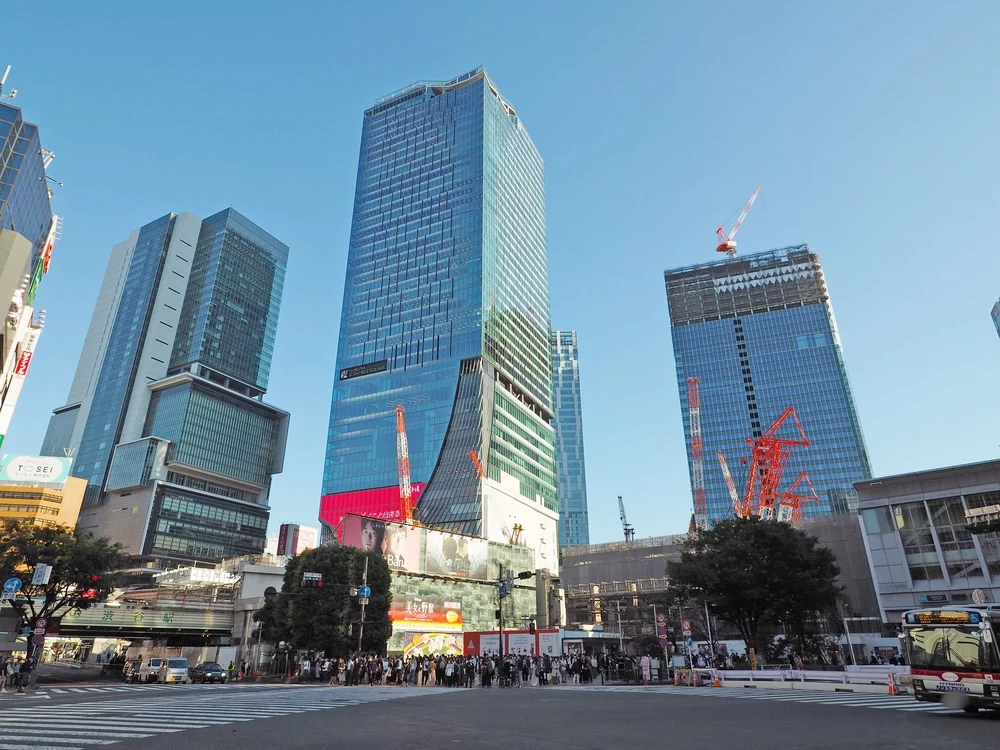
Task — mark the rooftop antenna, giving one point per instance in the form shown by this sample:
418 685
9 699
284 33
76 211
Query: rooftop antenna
3 80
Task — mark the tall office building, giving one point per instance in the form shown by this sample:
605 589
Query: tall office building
759 334
446 313
28 231
165 415
574 526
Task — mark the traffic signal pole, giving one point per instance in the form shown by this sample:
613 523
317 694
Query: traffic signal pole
500 605
364 601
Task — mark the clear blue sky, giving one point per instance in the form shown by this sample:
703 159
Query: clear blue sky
872 127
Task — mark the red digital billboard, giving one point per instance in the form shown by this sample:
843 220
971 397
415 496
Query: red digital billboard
382 503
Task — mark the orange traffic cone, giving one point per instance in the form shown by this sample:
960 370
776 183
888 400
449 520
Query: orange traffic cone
676 681
716 682
892 686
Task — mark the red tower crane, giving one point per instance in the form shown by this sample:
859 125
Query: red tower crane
403 461
697 463
769 456
727 244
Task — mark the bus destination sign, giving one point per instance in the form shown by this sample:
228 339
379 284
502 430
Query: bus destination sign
943 617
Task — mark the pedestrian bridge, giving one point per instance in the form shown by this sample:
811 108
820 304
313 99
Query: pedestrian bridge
138 621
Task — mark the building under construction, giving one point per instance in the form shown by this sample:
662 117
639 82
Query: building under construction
603 581
758 334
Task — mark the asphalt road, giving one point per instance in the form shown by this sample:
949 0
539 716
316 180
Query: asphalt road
249 717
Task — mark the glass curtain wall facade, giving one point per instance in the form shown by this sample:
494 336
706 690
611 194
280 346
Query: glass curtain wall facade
995 314
574 526
179 384
758 332
447 281
28 231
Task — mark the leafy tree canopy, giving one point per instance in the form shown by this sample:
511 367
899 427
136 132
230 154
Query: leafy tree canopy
75 559
753 574
326 619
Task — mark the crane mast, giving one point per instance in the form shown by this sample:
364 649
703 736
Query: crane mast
626 526
727 244
403 461
697 459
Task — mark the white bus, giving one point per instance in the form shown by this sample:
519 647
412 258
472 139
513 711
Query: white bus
953 655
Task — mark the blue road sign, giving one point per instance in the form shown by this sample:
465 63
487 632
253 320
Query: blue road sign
12 585
364 592
26 631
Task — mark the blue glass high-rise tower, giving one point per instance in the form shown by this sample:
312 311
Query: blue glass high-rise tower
758 332
446 313
574 524
165 416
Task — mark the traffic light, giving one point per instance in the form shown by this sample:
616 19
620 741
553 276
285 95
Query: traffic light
95 578
497 615
310 579
525 574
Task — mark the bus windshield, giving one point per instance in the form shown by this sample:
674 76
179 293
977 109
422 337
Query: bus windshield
957 647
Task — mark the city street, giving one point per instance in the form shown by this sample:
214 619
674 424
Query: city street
254 716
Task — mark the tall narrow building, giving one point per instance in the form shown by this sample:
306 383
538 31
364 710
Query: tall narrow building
446 313
165 416
28 231
574 525
758 333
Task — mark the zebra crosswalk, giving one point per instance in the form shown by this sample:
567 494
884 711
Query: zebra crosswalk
854 700
88 724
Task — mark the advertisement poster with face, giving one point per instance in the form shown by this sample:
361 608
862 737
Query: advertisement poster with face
366 534
428 613
401 547
456 556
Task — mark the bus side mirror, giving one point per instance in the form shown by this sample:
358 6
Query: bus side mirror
988 635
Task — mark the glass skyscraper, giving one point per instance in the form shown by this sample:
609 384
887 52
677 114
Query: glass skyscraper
574 526
165 416
446 313
28 231
758 332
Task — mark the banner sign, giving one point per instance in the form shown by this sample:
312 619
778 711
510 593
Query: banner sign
430 644
34 469
425 613
361 370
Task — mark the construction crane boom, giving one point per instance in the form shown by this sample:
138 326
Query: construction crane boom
727 244
731 485
626 526
697 458
477 464
769 457
403 462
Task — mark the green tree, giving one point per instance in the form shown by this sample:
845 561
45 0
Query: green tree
327 618
76 560
755 575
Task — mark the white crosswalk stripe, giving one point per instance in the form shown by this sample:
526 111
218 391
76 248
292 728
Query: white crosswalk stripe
853 700
86 725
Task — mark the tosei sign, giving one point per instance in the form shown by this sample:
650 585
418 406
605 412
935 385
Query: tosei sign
34 469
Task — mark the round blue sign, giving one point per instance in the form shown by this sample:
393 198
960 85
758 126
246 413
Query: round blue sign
12 585
364 591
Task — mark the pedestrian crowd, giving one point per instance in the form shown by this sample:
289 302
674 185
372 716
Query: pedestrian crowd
456 671
15 674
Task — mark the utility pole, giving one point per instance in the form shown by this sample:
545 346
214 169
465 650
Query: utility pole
364 601
500 605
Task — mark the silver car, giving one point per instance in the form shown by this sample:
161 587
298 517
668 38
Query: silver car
174 670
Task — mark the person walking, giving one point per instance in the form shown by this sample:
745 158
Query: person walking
24 678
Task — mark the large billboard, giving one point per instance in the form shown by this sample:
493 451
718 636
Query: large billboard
540 642
431 644
382 503
434 614
20 469
400 544
294 539
456 556
507 514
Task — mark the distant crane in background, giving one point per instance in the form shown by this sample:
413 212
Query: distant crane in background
727 244
697 464
480 472
626 526
403 462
